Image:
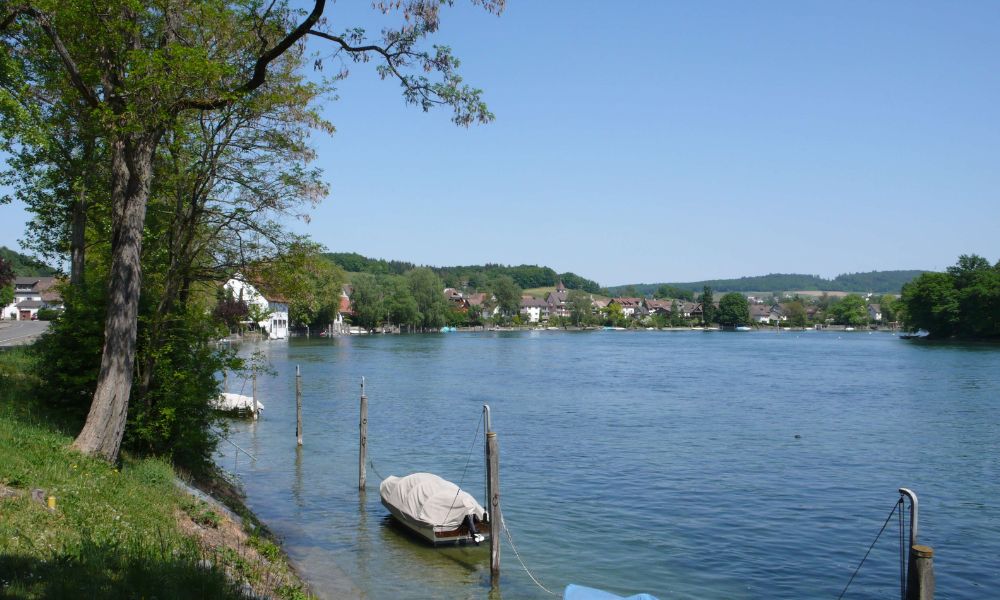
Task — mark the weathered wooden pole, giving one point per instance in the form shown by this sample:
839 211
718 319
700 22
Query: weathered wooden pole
298 405
225 382
362 437
920 574
493 475
254 392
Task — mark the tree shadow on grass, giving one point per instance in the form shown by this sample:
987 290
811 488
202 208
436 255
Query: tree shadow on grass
97 571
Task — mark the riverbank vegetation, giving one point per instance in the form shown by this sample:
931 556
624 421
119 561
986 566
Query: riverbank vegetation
121 530
963 302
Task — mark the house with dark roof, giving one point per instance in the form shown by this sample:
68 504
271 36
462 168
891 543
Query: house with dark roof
536 310
631 307
32 294
557 301
764 313
659 307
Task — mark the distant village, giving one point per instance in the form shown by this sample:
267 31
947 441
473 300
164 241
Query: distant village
557 308
38 298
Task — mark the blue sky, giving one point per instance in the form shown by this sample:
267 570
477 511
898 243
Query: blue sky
673 141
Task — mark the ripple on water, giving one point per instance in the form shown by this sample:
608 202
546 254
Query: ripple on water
640 461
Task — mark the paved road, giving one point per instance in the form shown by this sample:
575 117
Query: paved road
15 333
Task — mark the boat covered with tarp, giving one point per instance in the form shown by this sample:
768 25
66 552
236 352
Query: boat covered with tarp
434 508
237 403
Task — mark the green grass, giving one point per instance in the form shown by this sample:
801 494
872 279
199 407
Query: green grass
114 532
539 292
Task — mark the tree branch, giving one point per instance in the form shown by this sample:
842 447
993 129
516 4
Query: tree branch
263 61
72 70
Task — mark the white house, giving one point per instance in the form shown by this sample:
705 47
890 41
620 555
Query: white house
31 294
875 312
273 308
535 310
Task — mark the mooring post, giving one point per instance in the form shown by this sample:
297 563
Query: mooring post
920 564
362 437
298 405
487 427
493 475
254 392
225 381
920 579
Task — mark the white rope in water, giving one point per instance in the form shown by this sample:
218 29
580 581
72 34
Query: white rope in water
510 540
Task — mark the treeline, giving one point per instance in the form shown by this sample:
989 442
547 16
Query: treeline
874 281
415 300
963 302
25 266
470 276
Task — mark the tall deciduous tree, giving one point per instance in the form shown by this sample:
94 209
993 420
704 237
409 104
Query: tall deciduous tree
580 307
428 293
508 295
708 314
138 67
734 310
367 301
850 310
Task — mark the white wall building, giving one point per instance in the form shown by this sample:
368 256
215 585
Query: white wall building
30 295
275 323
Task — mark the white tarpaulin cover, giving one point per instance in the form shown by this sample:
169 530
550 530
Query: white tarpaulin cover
228 401
427 498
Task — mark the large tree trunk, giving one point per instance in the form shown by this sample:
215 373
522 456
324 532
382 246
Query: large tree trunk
131 175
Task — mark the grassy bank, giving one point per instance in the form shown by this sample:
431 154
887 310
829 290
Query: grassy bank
116 531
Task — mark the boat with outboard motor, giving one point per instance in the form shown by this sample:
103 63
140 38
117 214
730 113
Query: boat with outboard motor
435 509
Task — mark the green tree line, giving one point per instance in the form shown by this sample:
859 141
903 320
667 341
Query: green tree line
963 302
470 276
889 282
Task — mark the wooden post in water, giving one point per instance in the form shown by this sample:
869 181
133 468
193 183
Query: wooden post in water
920 575
363 437
225 381
298 405
493 476
254 392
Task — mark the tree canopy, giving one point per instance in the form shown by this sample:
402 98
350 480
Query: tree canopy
159 106
734 310
963 302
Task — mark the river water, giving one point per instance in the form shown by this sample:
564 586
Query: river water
684 464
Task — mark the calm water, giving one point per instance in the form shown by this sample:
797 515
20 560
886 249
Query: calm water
664 462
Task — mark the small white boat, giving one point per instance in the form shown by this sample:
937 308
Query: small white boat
229 402
848 329
434 508
743 328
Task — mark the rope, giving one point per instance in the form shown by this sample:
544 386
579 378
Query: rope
371 463
510 540
894 507
467 460
220 434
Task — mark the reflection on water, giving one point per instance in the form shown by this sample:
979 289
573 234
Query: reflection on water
694 465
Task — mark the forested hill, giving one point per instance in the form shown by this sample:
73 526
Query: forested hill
475 276
882 282
25 266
